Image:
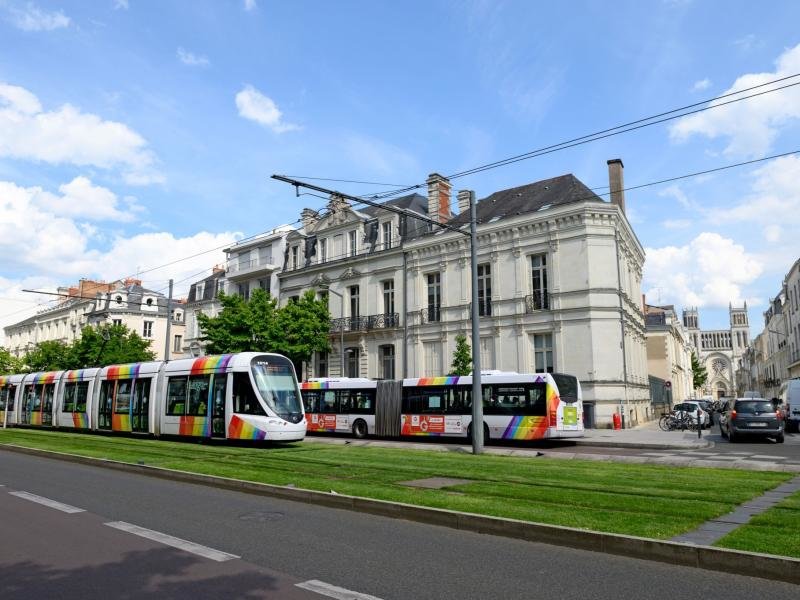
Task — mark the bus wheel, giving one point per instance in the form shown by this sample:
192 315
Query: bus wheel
360 429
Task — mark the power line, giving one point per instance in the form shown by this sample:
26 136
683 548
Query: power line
348 181
612 131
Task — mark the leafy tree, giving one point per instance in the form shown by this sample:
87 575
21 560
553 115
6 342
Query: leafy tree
258 324
108 345
9 363
303 328
699 373
50 355
462 357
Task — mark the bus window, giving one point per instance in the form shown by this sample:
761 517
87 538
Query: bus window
176 396
345 404
412 400
245 401
328 402
362 401
567 387
536 400
433 400
311 401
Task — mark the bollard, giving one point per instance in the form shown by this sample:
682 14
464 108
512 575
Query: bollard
699 424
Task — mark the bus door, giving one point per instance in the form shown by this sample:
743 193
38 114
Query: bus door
105 407
218 405
140 406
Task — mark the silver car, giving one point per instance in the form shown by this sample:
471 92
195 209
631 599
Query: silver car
751 417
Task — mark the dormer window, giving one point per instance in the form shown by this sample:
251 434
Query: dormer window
352 239
118 299
295 256
149 302
386 233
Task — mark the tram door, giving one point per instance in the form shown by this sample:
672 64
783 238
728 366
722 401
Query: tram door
28 395
140 410
48 391
218 406
106 405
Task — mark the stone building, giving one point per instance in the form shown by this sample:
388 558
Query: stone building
669 351
559 286
719 350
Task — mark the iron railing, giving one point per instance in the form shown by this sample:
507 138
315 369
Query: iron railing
538 300
365 323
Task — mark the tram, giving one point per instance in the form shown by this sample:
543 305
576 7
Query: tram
515 406
243 396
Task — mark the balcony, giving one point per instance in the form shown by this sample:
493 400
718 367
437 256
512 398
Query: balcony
431 314
247 268
365 323
539 300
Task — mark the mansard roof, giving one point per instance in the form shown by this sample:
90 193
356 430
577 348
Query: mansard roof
532 197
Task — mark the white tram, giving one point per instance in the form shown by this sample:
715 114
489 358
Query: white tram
244 396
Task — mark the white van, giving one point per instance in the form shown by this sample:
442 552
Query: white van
790 399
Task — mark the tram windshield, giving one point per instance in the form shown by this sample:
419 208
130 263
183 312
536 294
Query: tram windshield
277 386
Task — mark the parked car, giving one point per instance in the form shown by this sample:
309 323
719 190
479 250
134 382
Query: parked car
789 396
691 406
751 417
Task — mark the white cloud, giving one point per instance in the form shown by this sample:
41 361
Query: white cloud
710 271
775 195
67 135
676 223
82 199
748 42
773 233
675 192
255 106
121 5
193 60
250 5
701 85
33 18
750 126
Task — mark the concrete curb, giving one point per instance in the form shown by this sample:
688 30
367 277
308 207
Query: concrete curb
765 566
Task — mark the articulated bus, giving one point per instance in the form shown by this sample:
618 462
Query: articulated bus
245 396
515 406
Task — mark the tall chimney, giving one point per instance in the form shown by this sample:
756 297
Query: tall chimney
616 182
463 202
439 198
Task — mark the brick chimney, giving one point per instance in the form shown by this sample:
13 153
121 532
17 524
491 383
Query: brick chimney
616 182
439 198
463 201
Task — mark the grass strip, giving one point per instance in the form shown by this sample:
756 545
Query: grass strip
645 500
776 531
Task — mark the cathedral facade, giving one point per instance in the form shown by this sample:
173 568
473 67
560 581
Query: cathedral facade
719 350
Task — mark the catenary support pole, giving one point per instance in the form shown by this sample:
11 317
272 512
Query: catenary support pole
477 396
169 321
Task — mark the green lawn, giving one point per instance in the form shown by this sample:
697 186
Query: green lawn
644 500
777 531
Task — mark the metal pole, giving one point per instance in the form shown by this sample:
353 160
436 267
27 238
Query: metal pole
477 396
341 336
169 321
5 410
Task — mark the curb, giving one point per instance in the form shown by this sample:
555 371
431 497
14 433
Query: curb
764 566
646 445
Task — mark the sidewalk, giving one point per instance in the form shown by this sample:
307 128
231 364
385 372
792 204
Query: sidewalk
648 435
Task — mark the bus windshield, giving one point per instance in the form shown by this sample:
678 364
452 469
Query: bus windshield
277 386
567 387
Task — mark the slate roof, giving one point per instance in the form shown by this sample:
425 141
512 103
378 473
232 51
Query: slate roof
529 198
209 291
414 202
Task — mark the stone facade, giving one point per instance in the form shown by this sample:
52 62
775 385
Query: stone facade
669 351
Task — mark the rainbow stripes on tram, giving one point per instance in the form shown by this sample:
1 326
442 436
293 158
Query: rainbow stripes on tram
80 420
195 426
123 371
206 365
4 379
44 378
77 375
239 429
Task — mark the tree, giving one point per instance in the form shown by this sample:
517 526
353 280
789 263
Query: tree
9 364
109 345
462 357
50 355
258 324
699 373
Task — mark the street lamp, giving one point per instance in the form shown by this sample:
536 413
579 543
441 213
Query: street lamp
341 329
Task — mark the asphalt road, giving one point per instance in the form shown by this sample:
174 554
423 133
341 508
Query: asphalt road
48 553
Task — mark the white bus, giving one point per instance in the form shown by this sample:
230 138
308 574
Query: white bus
515 406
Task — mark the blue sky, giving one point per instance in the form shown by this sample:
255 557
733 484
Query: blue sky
135 133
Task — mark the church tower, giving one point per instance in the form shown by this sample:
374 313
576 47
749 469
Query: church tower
691 321
740 330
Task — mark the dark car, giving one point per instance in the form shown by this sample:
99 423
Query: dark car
751 417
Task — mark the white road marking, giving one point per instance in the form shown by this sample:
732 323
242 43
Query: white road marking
332 591
47 502
767 457
169 540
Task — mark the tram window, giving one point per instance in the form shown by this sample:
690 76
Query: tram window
3 396
7 397
198 395
47 396
176 396
123 399
69 398
81 395
244 398
106 396
34 397
362 401
141 391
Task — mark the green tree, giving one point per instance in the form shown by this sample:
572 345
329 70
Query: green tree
9 363
258 324
462 357
108 345
699 373
303 328
51 355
